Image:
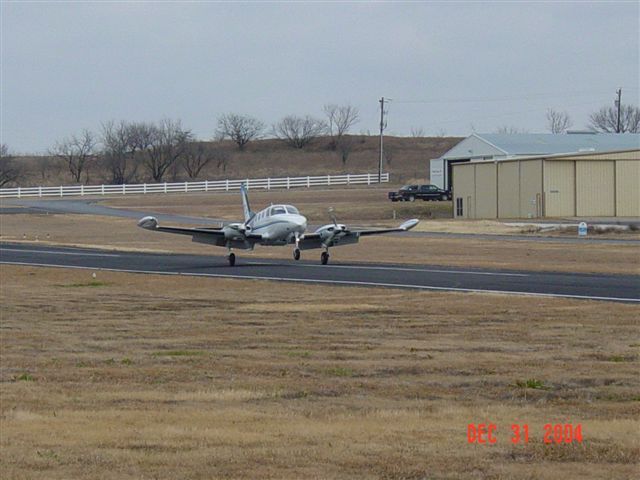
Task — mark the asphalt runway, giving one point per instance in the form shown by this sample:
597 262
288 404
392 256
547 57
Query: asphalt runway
621 288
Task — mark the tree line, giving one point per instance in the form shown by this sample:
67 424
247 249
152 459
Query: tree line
131 151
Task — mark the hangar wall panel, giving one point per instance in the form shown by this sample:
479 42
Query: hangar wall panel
595 188
509 189
628 188
486 194
464 188
531 188
559 188
632 155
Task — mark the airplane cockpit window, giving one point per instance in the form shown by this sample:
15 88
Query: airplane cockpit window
277 210
292 209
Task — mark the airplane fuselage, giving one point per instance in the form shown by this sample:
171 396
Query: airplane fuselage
278 224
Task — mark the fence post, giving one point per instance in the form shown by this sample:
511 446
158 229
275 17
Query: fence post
328 179
102 189
287 183
186 187
144 188
124 191
60 191
18 192
348 179
308 181
268 183
40 191
206 185
165 187
82 190
368 179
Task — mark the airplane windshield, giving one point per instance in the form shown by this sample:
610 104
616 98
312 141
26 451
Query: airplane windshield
292 209
277 210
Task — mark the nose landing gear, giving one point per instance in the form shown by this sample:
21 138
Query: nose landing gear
324 258
232 259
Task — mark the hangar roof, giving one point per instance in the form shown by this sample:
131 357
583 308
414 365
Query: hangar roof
491 145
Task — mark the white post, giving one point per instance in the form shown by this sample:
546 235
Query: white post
268 183
227 184
82 190
102 189
368 179
144 188
206 185
328 179
308 181
39 191
348 179
19 192
165 187
186 186
124 190
287 183
60 191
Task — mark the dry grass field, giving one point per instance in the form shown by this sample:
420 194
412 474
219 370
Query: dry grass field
140 376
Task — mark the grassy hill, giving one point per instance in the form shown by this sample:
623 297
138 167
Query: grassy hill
407 159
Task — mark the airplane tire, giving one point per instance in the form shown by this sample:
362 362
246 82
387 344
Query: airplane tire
296 254
324 258
232 259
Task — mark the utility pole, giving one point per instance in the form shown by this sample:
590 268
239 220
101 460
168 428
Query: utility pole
619 105
382 125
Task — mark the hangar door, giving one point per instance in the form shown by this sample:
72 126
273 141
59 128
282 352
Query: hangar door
595 188
627 191
559 188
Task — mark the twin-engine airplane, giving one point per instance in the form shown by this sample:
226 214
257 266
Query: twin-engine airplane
275 225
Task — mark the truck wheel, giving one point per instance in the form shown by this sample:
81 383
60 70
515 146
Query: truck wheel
412 198
443 197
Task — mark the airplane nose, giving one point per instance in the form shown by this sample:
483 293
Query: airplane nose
302 222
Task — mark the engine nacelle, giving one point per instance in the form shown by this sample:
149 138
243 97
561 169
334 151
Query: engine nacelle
148 223
234 231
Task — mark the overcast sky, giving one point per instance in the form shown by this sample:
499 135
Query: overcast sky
449 68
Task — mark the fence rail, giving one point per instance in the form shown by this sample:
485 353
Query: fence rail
186 187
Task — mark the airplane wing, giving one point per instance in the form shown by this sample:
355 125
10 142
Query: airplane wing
338 234
230 235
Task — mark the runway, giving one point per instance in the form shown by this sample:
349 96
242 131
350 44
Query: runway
620 288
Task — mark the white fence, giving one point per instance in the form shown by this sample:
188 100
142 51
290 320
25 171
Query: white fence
186 187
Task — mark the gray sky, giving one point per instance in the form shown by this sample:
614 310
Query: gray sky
449 68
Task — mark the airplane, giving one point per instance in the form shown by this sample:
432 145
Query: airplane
275 225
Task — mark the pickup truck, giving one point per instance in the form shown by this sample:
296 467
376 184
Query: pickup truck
410 193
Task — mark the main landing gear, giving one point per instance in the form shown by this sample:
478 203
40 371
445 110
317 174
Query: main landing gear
232 259
324 258
296 254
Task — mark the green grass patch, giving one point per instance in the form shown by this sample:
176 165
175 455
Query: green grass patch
179 353
533 384
299 353
126 361
340 372
25 377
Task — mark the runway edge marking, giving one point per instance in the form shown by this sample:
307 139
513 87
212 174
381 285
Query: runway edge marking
335 282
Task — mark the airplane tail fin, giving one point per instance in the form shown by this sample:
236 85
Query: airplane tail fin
248 214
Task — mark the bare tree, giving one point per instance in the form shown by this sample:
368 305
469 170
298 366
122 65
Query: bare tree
239 128
9 170
198 155
121 144
417 132
606 119
168 144
340 119
77 152
558 122
299 131
344 148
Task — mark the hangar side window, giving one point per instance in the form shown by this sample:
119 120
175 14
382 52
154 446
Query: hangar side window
459 203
